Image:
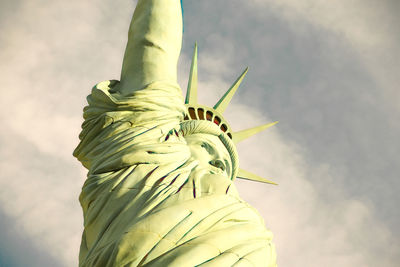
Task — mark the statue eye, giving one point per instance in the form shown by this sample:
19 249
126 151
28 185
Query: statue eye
218 164
207 147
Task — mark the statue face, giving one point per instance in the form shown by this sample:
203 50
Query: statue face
210 152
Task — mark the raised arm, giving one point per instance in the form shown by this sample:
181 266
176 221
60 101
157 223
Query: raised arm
154 44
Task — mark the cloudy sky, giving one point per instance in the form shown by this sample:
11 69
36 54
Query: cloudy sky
327 70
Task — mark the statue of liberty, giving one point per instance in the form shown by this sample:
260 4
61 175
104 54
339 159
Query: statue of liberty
160 189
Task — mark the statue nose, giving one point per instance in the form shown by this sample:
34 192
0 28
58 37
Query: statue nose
217 163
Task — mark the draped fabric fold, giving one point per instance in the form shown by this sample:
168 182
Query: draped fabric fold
142 203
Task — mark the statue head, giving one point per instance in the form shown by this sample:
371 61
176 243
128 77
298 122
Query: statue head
210 153
208 134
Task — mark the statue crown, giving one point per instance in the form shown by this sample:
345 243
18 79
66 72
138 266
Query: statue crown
197 111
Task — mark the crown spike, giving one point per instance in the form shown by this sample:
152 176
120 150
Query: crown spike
244 134
253 177
191 94
223 103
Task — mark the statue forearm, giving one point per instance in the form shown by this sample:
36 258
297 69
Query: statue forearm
154 43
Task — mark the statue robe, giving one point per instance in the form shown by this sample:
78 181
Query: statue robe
141 205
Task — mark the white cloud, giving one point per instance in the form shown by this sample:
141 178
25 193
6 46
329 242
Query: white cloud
369 26
39 193
361 22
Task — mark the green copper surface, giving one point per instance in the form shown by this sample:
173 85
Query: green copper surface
223 103
244 134
159 190
191 95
